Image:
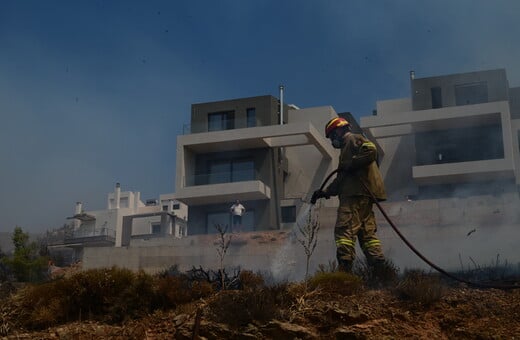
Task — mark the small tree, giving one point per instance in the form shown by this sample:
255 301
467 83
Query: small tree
308 237
223 244
25 263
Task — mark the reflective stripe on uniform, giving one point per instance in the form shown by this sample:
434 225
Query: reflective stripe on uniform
373 243
345 242
369 145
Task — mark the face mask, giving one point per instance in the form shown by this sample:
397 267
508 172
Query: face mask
338 143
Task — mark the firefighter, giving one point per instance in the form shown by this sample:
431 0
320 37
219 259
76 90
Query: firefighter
355 218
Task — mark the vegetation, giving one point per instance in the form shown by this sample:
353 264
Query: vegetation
224 241
243 300
26 263
308 237
118 296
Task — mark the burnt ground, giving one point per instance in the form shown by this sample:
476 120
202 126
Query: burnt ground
461 313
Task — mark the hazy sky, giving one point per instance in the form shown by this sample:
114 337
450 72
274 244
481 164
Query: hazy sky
95 92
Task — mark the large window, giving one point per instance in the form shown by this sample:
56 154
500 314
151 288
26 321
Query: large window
156 228
459 145
436 97
289 214
472 93
221 121
226 171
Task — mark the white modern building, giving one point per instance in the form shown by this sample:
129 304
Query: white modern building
126 217
242 149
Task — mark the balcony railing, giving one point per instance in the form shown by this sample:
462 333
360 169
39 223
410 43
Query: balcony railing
226 125
82 236
221 177
80 233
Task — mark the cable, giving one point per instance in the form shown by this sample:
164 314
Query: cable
419 254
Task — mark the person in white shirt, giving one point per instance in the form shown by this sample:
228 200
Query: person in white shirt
237 210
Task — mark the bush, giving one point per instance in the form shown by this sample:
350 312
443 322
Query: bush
384 274
416 286
336 282
241 307
250 280
110 295
172 291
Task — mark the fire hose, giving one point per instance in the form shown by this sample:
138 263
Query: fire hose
417 252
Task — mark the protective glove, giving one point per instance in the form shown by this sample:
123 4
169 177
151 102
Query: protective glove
319 194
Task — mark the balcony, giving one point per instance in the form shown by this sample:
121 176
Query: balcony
292 134
224 192
442 118
221 177
484 170
85 237
200 189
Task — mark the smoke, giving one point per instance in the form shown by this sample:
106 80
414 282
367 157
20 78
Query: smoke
287 263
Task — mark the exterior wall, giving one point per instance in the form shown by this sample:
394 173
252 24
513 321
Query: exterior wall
271 161
199 223
514 102
143 226
105 221
266 112
306 167
393 106
515 132
421 88
454 233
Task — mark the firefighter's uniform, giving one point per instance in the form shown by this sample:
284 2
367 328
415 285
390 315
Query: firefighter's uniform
357 162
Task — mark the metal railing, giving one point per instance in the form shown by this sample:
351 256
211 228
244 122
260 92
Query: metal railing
86 233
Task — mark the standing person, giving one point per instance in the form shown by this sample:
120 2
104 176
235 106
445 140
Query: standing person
237 210
355 219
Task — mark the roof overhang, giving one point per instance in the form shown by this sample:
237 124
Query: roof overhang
82 217
442 118
487 170
291 134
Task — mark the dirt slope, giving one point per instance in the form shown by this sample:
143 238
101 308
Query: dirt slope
462 313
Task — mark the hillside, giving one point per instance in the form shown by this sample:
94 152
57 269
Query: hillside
458 313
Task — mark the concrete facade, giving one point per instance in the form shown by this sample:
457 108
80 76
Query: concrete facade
245 153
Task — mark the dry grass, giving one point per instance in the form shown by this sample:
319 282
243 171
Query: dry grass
241 307
336 283
420 288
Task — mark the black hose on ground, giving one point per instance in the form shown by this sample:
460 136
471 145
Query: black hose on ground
412 248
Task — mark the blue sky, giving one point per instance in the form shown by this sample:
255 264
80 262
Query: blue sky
96 92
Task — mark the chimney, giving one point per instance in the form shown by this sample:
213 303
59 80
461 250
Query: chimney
117 195
78 210
79 207
137 198
281 104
